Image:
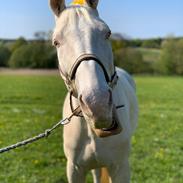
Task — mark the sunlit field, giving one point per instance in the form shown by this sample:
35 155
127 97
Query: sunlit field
30 104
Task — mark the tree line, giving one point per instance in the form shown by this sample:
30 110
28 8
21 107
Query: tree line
150 56
128 54
27 54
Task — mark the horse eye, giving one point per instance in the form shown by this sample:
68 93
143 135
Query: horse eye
56 43
108 35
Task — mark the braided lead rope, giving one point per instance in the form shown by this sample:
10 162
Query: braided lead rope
42 135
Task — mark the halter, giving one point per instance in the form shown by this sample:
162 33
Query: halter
70 77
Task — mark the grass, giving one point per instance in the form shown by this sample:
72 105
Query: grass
157 155
30 104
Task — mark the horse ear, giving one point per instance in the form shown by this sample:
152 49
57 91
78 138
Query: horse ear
92 3
57 6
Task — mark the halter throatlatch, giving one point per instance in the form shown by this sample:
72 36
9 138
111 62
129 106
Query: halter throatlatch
70 77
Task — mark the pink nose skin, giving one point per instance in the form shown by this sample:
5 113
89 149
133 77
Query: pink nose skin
97 106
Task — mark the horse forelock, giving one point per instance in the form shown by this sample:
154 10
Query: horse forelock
72 16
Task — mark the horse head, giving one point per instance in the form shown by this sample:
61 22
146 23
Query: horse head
85 57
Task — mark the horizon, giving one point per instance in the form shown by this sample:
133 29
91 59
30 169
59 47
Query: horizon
134 20
124 38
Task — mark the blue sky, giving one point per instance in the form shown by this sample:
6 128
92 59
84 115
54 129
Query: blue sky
135 18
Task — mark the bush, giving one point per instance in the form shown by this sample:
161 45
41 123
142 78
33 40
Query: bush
131 60
34 55
152 43
171 60
4 56
179 57
118 44
135 43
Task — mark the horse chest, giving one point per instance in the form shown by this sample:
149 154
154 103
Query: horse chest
92 152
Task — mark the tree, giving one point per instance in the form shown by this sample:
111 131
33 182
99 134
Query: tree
179 57
118 44
171 59
18 43
135 43
4 56
42 36
131 60
34 55
152 43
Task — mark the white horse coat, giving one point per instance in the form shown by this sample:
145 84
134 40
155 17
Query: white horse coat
85 150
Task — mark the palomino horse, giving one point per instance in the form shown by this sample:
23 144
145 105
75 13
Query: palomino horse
105 94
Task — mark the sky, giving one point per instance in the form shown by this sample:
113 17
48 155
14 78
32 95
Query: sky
133 18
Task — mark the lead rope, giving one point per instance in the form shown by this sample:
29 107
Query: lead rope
46 134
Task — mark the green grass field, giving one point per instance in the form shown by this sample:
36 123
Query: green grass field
30 104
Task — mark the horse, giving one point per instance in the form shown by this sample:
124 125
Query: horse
97 139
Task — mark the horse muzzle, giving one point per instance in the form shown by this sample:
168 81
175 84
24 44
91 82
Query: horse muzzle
114 129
